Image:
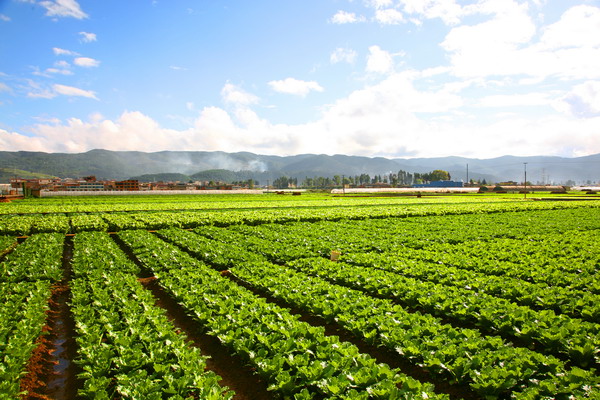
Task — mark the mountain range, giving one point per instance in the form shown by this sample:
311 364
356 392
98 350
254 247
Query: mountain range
105 164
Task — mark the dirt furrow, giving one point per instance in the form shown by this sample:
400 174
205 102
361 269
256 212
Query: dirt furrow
51 372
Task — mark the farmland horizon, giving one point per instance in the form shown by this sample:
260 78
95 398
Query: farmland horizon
241 166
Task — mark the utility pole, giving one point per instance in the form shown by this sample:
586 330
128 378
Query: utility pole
467 173
525 181
343 184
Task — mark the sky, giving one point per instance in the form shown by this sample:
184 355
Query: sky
391 78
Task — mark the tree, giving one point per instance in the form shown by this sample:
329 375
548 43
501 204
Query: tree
337 180
439 175
284 182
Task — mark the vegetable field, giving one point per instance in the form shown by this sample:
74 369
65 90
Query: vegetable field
315 297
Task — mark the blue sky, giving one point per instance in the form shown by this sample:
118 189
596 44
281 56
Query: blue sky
392 78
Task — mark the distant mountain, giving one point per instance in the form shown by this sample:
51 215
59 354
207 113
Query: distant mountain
543 169
7 173
201 165
163 177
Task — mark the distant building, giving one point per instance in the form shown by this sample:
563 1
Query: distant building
90 185
128 185
5 188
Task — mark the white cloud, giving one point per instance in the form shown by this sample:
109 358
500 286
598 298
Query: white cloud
398 11
489 48
377 4
344 17
379 61
516 100
385 119
389 16
73 91
61 67
63 8
5 88
4 18
504 44
510 26
177 68
86 62
447 10
235 95
87 37
577 27
62 52
42 94
295 86
582 101
13 141
343 55
190 105
60 71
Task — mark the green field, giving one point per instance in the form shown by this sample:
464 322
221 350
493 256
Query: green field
304 297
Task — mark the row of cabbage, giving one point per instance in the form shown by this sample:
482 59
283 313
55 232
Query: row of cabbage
296 359
127 348
98 204
26 276
516 309
560 273
409 234
490 365
28 224
569 260
569 338
555 271
576 293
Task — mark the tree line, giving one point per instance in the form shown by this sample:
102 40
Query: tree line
400 179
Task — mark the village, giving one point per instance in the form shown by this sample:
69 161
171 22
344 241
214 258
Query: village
89 185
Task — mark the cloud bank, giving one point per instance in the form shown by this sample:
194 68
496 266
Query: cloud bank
506 83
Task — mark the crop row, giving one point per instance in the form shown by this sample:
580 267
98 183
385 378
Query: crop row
295 358
6 244
570 274
576 340
175 203
26 276
38 257
400 235
455 298
579 299
127 348
100 204
491 366
28 224
573 293
23 308
555 271
96 252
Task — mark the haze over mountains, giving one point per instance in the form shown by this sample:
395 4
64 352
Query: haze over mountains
181 165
